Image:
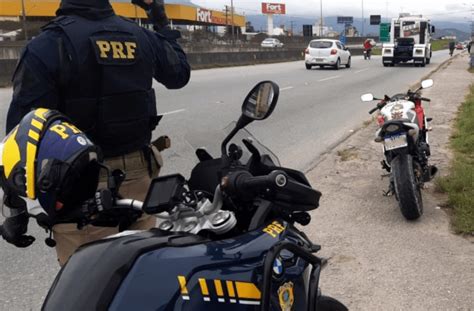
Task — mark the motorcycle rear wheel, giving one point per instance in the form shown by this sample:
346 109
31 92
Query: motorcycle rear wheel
407 187
326 303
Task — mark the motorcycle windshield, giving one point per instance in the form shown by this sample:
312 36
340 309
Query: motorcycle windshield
211 141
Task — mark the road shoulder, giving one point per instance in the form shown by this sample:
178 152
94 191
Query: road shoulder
378 260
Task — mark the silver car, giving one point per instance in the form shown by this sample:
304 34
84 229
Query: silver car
271 43
326 52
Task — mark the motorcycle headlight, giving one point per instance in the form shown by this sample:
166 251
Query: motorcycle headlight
392 128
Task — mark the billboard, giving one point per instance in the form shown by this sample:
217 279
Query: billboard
375 19
345 19
273 8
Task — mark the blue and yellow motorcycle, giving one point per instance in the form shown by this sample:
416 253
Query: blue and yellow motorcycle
226 239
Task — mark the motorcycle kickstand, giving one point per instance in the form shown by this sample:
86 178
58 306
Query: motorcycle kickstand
391 191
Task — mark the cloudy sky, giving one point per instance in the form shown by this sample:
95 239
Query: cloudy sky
449 10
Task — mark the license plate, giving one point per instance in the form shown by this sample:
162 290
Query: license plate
320 59
396 142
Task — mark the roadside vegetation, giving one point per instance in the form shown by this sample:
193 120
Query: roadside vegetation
459 185
437 45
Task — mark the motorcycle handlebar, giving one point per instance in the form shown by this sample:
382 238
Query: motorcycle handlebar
425 99
243 183
373 110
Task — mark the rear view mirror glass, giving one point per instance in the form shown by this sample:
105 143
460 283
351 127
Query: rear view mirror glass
261 101
367 97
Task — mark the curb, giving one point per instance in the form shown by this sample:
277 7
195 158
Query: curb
334 146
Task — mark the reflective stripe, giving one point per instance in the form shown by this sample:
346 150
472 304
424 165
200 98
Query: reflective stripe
219 290
12 157
40 113
230 288
182 284
204 289
37 124
32 134
247 291
30 170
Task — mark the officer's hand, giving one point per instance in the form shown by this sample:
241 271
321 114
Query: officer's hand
155 10
14 229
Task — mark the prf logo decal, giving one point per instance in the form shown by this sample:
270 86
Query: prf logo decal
274 229
223 291
115 50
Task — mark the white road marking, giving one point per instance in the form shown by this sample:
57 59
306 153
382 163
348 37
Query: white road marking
362 70
330 78
172 112
287 88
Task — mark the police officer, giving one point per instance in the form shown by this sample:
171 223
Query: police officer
97 68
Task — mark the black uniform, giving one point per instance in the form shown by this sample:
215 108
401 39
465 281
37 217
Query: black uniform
98 69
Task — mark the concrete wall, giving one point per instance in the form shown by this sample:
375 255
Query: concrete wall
224 59
198 60
7 67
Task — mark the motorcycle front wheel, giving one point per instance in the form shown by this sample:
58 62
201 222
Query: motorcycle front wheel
326 303
407 186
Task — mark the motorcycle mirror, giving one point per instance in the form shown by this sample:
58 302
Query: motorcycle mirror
367 97
261 101
427 84
258 105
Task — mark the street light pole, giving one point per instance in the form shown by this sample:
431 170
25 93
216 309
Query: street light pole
232 19
23 13
363 22
321 20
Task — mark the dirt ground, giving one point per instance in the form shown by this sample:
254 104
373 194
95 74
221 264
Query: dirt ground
377 259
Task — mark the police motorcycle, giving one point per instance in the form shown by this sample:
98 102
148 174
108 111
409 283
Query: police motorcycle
227 237
404 134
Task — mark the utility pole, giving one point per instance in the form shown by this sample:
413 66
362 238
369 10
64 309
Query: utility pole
363 22
23 13
321 19
291 27
232 19
226 10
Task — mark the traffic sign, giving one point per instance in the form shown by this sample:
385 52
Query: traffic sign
345 19
384 32
375 19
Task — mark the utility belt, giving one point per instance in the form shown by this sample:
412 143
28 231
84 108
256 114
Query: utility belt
135 164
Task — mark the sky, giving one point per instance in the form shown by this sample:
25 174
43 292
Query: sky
446 10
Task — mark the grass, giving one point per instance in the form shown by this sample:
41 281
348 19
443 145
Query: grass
347 154
471 70
376 51
459 185
437 45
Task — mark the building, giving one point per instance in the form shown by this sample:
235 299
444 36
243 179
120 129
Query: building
179 14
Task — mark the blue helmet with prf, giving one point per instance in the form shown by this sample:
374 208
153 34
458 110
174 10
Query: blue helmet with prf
47 158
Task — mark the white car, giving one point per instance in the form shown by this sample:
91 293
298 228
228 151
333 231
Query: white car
327 52
271 43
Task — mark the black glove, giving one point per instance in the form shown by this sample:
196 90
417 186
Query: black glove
13 231
155 11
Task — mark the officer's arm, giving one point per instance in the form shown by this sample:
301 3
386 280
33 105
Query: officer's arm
171 65
33 87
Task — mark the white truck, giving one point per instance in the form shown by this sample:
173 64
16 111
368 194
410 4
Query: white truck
410 39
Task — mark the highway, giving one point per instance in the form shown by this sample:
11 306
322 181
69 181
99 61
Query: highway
317 109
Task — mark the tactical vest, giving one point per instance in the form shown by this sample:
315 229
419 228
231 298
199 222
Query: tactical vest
109 93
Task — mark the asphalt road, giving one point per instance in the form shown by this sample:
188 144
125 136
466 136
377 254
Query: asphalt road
317 109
